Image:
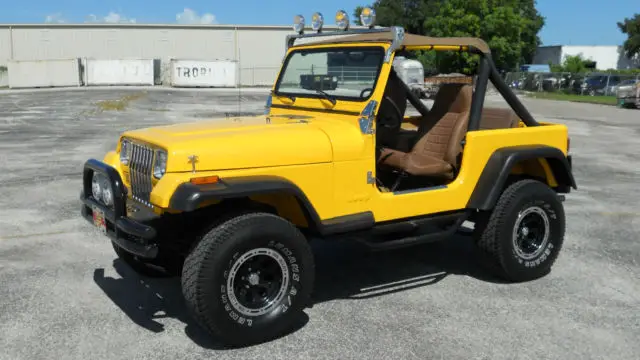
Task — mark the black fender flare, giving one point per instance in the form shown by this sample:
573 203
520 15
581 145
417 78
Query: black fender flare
189 197
495 174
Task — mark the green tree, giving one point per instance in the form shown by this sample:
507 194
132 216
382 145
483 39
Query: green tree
510 27
356 15
631 27
406 13
574 64
532 23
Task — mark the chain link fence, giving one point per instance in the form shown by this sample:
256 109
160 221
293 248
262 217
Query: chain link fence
266 76
590 84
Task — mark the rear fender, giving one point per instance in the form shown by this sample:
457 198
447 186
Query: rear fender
536 160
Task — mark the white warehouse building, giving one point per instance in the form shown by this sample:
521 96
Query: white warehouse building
255 51
605 57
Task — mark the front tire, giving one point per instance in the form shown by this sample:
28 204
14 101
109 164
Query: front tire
523 235
249 279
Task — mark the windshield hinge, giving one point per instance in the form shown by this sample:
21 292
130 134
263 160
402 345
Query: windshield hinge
370 178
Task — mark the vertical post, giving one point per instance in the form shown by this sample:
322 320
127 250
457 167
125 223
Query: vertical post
606 87
236 45
11 42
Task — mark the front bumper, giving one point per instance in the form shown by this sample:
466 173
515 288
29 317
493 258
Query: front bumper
132 235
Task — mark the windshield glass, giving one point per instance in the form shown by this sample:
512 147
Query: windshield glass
344 73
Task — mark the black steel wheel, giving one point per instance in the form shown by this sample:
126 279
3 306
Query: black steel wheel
257 281
524 233
249 279
531 232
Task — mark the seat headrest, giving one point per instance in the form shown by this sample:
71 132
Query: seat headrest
454 98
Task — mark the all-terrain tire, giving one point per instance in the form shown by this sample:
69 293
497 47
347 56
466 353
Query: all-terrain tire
150 268
218 281
523 235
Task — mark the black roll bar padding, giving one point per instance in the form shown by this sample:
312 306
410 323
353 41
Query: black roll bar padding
413 99
477 103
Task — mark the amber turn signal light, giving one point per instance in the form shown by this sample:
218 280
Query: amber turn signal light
205 180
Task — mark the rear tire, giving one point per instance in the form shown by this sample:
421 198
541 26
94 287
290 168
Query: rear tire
248 279
523 235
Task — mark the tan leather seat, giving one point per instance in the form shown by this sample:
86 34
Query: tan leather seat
498 118
438 148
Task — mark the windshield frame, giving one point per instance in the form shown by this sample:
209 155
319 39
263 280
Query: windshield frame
321 49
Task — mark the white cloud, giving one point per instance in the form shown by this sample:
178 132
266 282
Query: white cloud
189 16
56 18
111 18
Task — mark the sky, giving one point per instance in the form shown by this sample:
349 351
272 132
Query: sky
568 22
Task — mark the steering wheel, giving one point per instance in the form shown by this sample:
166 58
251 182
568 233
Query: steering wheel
365 90
396 123
390 127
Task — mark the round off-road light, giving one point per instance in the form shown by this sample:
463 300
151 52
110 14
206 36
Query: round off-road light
298 24
368 17
342 20
96 186
317 20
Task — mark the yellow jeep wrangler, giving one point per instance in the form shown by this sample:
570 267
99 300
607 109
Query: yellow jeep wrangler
231 204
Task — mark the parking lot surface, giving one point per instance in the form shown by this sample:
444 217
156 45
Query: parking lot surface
64 295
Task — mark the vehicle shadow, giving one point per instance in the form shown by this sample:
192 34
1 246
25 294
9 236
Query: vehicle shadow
344 270
347 270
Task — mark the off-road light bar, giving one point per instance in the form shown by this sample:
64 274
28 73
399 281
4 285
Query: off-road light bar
368 17
317 20
298 24
342 20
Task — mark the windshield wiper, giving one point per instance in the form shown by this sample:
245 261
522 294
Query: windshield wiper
290 97
332 99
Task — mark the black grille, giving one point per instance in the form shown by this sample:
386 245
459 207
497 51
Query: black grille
140 170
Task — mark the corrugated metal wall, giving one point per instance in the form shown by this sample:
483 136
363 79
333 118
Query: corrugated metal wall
606 57
258 49
5 45
257 66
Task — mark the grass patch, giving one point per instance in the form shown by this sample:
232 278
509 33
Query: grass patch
119 104
602 100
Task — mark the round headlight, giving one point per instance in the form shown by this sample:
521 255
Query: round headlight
96 186
317 20
368 17
107 193
342 20
125 151
160 165
298 24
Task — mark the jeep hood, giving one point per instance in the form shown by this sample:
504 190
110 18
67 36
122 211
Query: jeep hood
241 142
